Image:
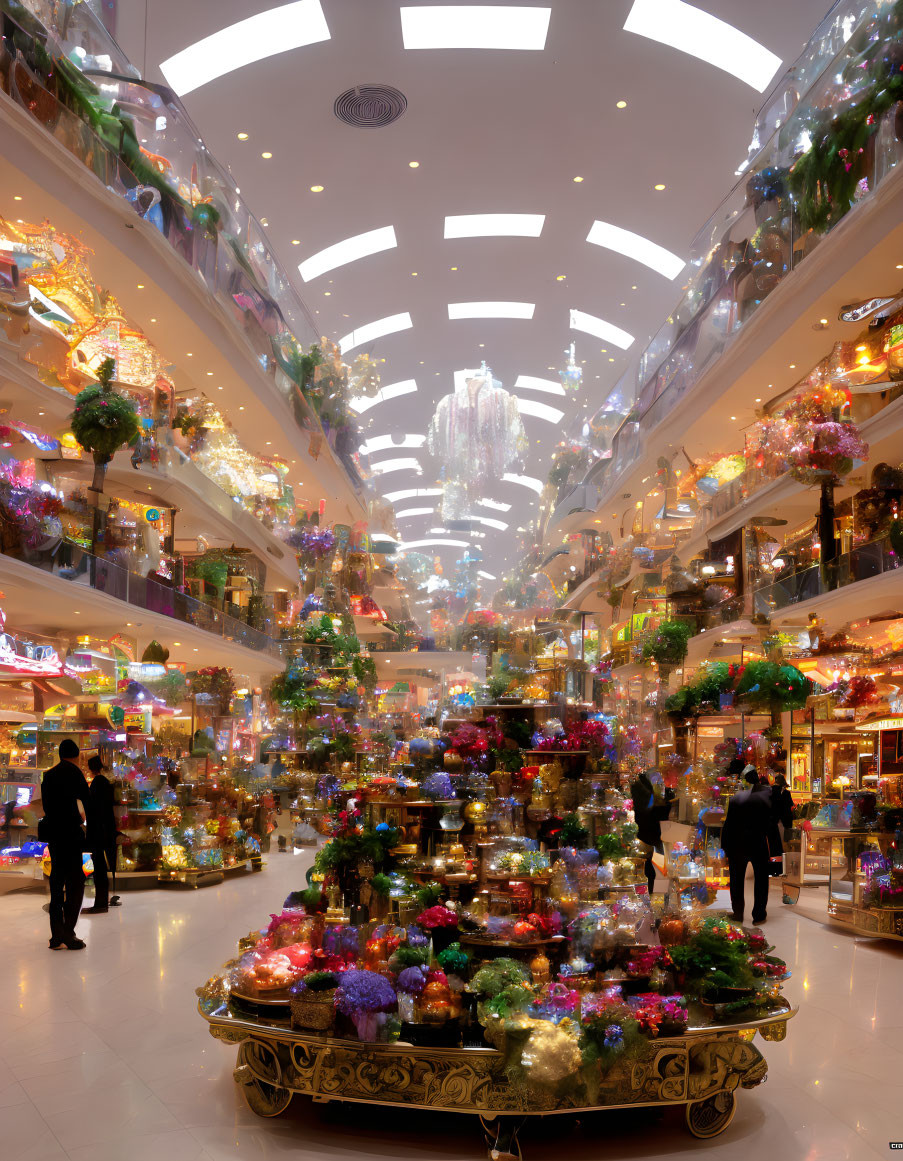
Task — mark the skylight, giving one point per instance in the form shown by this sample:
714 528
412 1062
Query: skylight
438 543
494 225
411 494
704 36
362 403
525 481
475 26
341 253
382 442
489 522
635 246
397 465
581 321
534 383
486 575
266 34
539 410
496 505
414 512
491 310
375 330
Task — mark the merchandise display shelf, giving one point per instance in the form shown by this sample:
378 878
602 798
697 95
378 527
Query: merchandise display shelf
700 1070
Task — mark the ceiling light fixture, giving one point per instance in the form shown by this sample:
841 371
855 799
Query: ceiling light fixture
375 330
266 34
523 310
578 179
383 442
637 247
414 512
411 494
621 105
433 543
490 522
266 156
534 383
698 33
589 324
475 26
317 188
560 277
296 241
525 482
349 250
413 165
539 410
242 137
496 505
486 575
401 464
494 225
362 403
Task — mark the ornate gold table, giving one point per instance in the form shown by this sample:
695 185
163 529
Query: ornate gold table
702 1069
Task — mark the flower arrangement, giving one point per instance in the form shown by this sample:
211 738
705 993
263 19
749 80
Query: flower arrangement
312 543
438 786
216 681
364 996
437 916
860 691
825 450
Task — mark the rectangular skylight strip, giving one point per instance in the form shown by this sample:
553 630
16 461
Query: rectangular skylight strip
637 247
494 225
397 465
489 522
409 544
496 505
380 443
266 34
486 575
534 383
491 310
415 512
698 33
375 330
411 494
581 321
362 403
475 26
539 410
350 250
525 481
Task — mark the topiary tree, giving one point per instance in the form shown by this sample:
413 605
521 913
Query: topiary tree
771 687
103 421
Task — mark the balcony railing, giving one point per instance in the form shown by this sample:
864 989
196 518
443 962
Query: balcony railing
861 563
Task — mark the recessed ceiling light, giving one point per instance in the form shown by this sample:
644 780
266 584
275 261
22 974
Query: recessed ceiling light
327 293
242 137
296 241
266 155
621 105
900 265
17 198
494 225
454 268
241 408
141 286
589 324
660 186
733 417
209 372
189 354
413 164
153 320
266 34
475 26
524 310
823 321
363 403
792 366
375 330
40 413
533 383
578 179
560 277
637 247
317 188
349 250
413 273
690 30
758 399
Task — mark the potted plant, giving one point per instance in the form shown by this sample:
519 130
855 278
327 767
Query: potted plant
313 1001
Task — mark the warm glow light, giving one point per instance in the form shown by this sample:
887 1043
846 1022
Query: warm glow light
362 403
523 310
534 383
494 225
581 321
637 247
350 250
539 410
382 442
375 330
316 189
475 26
266 34
698 33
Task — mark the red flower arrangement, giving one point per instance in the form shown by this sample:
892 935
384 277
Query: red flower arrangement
437 916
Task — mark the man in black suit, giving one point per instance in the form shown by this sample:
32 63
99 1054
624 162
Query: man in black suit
744 838
63 788
101 837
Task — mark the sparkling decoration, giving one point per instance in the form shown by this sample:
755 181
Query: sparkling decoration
571 375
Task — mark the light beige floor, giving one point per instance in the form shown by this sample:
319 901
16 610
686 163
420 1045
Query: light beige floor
103 1057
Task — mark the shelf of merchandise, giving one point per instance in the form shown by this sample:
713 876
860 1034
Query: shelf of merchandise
150 280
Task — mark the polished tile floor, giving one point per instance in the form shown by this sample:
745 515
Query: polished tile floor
103 1057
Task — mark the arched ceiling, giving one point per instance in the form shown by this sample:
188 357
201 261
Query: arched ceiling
492 132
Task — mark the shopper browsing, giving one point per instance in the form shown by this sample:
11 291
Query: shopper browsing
650 808
101 837
65 797
744 838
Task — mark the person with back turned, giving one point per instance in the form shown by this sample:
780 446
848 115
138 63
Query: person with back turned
101 837
63 788
744 838
650 809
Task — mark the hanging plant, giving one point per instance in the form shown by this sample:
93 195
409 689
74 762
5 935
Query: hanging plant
291 690
825 450
103 420
667 644
771 687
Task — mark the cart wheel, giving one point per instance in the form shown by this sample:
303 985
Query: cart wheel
262 1098
710 1117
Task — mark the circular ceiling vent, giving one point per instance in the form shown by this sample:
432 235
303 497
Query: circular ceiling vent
370 106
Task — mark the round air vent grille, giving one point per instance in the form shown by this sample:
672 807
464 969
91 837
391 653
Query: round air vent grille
370 106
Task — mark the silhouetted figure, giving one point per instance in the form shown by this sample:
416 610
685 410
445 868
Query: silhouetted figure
101 837
649 812
63 787
744 838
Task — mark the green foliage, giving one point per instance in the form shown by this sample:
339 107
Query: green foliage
709 960
320 981
453 959
382 885
344 852
363 670
405 957
573 832
497 975
155 654
428 895
681 703
211 570
704 694
291 690
770 686
172 687
668 643
103 420
611 846
497 685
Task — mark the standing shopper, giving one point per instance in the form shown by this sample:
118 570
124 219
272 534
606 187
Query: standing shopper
650 809
101 837
744 838
63 787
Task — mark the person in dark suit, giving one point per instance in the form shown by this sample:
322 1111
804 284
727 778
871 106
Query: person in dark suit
63 788
744 838
101 837
650 811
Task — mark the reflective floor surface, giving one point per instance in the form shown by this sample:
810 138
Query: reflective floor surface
103 1057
